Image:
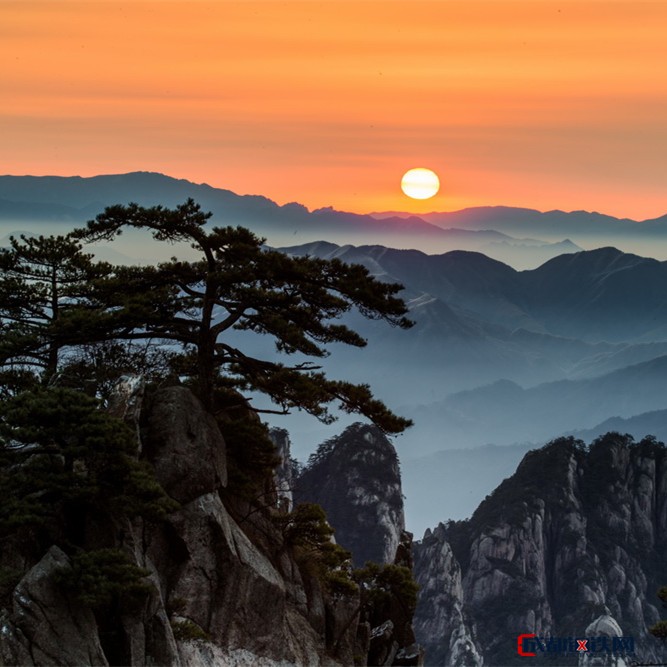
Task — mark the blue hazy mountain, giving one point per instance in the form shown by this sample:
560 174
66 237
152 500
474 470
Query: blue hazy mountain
586 229
513 220
653 422
497 335
601 296
74 200
497 355
510 413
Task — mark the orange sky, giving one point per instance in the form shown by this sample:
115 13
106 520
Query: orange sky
536 103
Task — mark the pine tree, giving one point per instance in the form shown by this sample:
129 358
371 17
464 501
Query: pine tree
239 284
42 278
62 458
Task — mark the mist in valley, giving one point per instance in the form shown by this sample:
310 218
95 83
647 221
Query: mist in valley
522 332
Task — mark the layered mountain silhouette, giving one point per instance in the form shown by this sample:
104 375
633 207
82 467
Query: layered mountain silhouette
54 199
653 422
514 220
513 413
597 295
516 358
586 229
478 320
497 355
77 199
522 237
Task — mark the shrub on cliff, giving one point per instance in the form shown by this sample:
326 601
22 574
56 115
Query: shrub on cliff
659 629
383 586
306 531
98 577
69 473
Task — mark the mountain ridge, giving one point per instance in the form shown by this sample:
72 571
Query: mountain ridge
576 534
573 295
474 213
78 199
476 216
498 407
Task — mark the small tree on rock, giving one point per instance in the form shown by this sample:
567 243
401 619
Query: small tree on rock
659 629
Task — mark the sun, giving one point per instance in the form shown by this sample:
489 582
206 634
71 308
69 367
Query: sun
420 183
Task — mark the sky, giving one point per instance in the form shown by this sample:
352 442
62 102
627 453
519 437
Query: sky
537 103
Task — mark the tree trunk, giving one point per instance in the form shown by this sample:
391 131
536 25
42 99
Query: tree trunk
52 359
205 371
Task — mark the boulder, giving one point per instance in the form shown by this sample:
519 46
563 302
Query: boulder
184 445
47 627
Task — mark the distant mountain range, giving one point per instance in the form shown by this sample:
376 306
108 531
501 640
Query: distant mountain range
497 355
597 296
74 200
513 220
504 356
514 414
653 422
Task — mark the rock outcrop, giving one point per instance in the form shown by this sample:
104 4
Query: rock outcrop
356 478
184 445
575 534
604 631
222 586
285 473
47 627
440 604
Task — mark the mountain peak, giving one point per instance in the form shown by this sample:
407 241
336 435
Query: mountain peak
355 477
555 550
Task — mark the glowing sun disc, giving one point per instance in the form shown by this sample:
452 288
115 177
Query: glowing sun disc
420 183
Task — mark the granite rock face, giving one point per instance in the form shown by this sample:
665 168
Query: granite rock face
223 588
356 478
46 626
285 473
576 533
440 604
184 445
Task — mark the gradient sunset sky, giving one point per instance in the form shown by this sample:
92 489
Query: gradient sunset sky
537 103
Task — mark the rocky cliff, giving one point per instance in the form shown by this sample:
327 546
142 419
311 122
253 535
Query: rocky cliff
221 582
356 478
286 471
575 539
